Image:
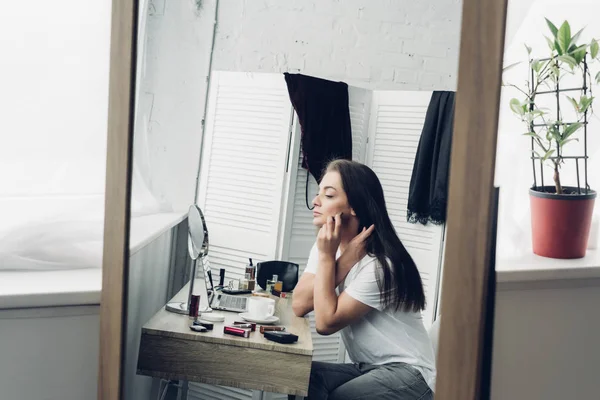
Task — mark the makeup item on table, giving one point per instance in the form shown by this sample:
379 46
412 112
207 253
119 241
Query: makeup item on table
198 328
237 331
245 324
264 329
243 285
250 275
260 294
236 291
222 277
208 325
271 284
281 337
213 317
194 305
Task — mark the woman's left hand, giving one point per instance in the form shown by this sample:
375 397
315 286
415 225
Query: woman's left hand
329 236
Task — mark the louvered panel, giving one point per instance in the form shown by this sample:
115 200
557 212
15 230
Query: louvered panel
395 128
241 180
243 160
202 391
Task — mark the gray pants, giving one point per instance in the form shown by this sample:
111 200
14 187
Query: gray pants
398 381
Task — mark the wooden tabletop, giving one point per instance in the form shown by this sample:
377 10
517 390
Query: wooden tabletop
171 350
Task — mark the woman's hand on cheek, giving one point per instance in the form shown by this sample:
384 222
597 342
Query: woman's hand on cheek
357 248
329 237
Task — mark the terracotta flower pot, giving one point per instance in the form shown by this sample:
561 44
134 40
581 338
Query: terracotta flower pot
561 222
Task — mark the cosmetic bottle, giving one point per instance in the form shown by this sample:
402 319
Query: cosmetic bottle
250 275
271 284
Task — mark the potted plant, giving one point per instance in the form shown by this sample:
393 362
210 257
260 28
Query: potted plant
560 215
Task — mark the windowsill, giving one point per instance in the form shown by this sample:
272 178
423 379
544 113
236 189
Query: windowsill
530 267
23 289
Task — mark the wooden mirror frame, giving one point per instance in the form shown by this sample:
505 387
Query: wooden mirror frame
470 200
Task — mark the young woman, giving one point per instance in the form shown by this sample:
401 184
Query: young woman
378 308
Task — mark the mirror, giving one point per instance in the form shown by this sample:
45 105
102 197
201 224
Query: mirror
243 162
197 249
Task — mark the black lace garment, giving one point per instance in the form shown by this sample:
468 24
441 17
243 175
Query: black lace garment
428 192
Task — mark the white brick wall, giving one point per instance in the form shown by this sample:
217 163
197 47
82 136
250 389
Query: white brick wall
378 44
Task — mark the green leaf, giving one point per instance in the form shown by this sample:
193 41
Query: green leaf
536 65
578 53
585 103
550 43
576 37
511 66
594 48
552 133
533 135
563 142
557 47
570 129
563 37
574 102
598 78
569 60
552 27
548 154
516 107
528 49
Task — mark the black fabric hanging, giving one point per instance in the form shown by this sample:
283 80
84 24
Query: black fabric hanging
324 116
428 192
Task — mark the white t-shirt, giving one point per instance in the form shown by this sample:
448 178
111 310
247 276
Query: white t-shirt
381 336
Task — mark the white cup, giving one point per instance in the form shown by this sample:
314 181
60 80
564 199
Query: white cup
261 307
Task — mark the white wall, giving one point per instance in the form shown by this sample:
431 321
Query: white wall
172 91
546 340
376 44
49 353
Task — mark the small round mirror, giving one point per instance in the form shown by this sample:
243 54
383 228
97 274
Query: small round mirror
197 233
192 249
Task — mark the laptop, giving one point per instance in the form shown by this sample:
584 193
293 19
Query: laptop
217 300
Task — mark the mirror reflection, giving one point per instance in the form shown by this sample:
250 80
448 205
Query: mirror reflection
312 140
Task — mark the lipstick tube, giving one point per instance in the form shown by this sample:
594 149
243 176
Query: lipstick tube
237 331
264 329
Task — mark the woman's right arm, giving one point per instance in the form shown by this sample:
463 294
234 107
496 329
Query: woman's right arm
302 299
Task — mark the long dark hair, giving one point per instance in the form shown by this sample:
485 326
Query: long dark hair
399 280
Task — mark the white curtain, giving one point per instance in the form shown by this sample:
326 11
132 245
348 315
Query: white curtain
513 167
55 69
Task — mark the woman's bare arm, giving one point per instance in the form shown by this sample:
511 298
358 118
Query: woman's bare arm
303 298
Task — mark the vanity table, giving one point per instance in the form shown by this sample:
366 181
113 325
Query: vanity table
546 342
170 350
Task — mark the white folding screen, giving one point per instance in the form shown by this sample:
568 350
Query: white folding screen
396 123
